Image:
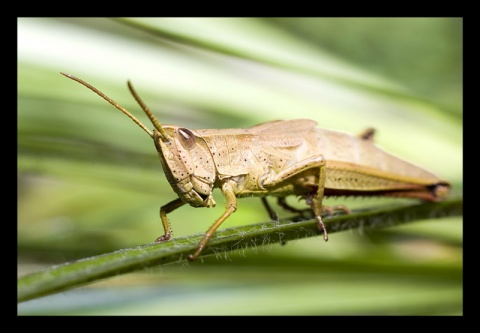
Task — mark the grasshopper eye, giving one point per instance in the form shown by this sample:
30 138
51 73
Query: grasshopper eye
186 137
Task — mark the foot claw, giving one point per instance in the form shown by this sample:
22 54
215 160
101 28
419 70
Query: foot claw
163 238
322 228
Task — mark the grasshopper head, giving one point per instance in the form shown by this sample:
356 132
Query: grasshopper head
187 163
186 160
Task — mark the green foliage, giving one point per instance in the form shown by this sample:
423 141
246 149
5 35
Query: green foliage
90 183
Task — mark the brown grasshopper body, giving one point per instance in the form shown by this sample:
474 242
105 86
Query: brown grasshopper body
278 158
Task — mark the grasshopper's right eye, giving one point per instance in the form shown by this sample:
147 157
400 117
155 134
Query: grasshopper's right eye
186 138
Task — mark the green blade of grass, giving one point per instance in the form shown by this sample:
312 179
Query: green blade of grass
88 270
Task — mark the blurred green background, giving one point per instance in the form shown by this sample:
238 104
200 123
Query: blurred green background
90 181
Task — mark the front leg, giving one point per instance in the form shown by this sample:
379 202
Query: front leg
164 210
230 208
315 200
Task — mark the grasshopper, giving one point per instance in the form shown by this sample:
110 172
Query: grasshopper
278 158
